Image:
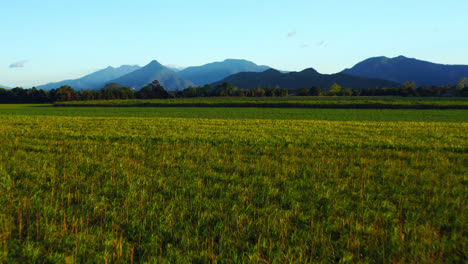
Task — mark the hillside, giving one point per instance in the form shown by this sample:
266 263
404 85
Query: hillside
401 69
306 78
216 71
94 80
153 71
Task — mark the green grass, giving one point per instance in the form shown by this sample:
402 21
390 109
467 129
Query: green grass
415 115
227 185
297 102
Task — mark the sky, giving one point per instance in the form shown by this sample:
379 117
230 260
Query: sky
53 40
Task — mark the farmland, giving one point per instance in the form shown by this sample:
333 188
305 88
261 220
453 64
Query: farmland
129 184
372 102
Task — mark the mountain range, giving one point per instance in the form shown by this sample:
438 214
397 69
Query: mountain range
153 71
372 72
171 78
95 80
212 72
306 78
401 69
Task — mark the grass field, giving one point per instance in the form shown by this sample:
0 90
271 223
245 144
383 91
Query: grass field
379 102
430 115
122 185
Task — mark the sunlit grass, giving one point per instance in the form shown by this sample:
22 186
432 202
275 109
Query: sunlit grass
117 189
413 115
293 101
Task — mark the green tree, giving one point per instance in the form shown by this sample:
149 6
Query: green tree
153 90
315 91
334 89
462 83
302 92
345 92
464 92
278 91
283 92
269 91
65 93
116 91
86 95
408 89
109 91
6 96
125 93
238 92
259 92
224 89
425 91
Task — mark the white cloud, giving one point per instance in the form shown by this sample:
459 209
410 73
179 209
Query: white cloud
19 64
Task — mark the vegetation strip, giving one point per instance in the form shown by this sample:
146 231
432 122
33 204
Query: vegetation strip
275 105
289 102
362 115
162 189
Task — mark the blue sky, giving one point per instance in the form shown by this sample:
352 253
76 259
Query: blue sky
53 40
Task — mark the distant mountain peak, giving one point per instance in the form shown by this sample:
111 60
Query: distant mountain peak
271 70
153 71
401 69
306 78
237 60
216 71
95 80
310 71
155 62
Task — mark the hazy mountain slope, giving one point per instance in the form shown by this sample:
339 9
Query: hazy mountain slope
401 69
94 80
153 71
216 71
174 68
306 78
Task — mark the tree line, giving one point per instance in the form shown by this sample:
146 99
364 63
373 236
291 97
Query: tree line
155 90
66 93
405 90
110 91
227 89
